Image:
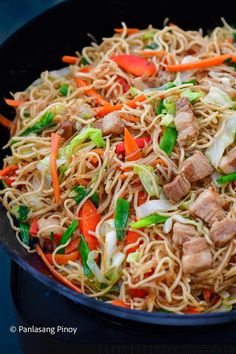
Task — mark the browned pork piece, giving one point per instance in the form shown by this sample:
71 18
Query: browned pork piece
177 189
142 83
228 162
208 206
185 122
197 167
66 129
223 231
196 256
110 124
183 232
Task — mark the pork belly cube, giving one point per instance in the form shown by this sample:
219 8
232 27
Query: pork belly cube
208 207
228 162
110 124
197 167
183 232
185 122
177 189
197 256
223 231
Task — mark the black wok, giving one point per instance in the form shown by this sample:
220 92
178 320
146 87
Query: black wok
38 46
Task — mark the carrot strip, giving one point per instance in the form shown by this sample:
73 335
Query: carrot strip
142 197
86 69
129 118
132 237
73 245
129 30
193 310
63 258
122 176
230 40
83 182
153 53
6 122
55 272
126 169
131 147
106 109
68 59
204 63
158 161
99 99
120 303
53 166
100 152
13 103
8 170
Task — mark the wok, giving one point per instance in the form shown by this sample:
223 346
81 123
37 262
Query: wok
39 45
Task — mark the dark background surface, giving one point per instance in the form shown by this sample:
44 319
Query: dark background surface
13 14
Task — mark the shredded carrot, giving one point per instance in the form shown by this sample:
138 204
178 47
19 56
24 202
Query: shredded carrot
53 166
142 197
204 63
153 53
13 103
131 147
73 245
193 310
83 182
54 272
86 69
129 30
99 99
120 303
6 122
129 118
8 170
63 258
102 111
122 176
68 59
126 169
100 152
158 161
230 40
207 294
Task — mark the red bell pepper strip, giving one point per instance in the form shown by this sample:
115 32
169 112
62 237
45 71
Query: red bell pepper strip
123 83
132 237
34 228
99 99
141 142
63 258
193 310
138 293
89 218
134 64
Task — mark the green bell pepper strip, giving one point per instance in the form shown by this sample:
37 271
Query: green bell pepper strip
121 217
25 236
84 252
168 140
148 221
160 107
227 178
67 234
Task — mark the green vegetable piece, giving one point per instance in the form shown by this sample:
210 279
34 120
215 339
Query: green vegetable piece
121 217
152 46
67 234
26 114
82 192
21 212
148 221
44 122
168 140
194 82
24 230
227 178
84 252
83 61
160 107
63 90
4 184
